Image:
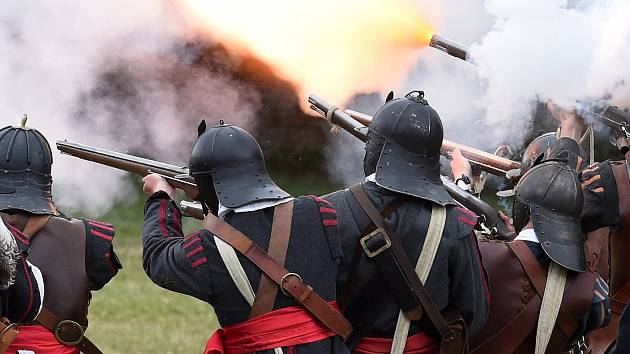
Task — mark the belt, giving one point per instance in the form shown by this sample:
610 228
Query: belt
67 332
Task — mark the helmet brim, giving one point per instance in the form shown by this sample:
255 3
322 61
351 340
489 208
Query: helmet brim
560 237
413 175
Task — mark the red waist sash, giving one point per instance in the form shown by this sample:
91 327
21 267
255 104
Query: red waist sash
280 328
420 343
39 340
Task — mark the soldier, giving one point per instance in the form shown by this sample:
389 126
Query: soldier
21 285
301 240
75 256
402 205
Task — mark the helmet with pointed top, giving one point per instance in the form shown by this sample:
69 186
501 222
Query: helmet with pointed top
25 170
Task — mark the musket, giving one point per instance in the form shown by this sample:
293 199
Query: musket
618 120
488 162
449 47
176 176
490 220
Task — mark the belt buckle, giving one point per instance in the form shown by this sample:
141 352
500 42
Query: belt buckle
76 326
380 250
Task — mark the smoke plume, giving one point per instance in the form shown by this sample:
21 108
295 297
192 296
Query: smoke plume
114 74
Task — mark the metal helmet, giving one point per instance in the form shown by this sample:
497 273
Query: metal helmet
403 148
550 195
229 167
25 166
537 150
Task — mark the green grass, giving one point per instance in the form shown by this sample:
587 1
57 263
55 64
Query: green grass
133 315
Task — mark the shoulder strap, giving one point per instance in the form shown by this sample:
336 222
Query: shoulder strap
391 250
35 224
288 282
278 245
537 276
423 268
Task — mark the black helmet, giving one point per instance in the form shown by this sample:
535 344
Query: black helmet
229 167
403 148
25 166
551 195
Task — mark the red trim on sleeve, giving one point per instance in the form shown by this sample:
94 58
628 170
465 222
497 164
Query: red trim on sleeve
327 210
163 205
329 222
199 262
321 200
466 221
191 240
101 235
194 251
30 291
101 226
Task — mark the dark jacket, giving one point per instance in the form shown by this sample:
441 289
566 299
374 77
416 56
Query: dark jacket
457 278
192 264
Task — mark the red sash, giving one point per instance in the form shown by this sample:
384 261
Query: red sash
420 343
39 340
280 328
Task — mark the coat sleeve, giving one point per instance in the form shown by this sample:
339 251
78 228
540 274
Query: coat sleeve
171 260
468 289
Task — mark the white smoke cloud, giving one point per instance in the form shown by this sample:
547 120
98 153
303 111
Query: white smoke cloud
524 52
56 58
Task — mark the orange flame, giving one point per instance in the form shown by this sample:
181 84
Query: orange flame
333 48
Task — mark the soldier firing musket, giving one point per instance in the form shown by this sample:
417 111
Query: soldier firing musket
355 123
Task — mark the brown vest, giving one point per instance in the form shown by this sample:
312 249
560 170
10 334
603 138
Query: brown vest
58 250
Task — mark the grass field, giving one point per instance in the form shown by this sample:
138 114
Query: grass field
133 315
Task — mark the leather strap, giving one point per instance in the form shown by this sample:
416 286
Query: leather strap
620 298
67 332
289 282
35 224
278 245
404 267
537 276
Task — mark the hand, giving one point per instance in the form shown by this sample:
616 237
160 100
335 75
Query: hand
571 124
507 221
154 183
460 165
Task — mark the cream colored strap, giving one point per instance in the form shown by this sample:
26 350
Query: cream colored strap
423 267
237 273
550 306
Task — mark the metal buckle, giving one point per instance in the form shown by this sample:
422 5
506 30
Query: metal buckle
75 325
367 250
284 278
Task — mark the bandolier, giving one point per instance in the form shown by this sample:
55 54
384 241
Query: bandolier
286 248
74 256
414 283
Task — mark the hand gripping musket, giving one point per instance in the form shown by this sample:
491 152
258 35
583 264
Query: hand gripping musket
490 221
176 176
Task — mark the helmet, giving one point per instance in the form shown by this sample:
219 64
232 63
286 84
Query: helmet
550 195
535 152
229 168
403 148
25 166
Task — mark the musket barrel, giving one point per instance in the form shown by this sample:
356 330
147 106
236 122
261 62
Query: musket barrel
450 47
336 116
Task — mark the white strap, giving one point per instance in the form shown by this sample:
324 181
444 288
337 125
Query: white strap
237 273
423 268
550 306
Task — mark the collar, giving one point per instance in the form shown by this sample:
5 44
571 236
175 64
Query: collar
371 178
253 206
527 235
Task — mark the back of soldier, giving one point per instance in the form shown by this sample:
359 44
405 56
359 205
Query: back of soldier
74 256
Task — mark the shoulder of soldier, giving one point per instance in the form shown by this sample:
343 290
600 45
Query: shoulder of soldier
463 221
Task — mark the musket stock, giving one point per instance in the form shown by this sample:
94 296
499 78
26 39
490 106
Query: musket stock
488 162
176 176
